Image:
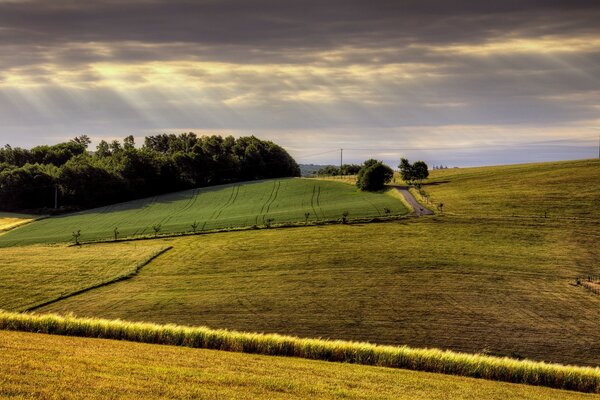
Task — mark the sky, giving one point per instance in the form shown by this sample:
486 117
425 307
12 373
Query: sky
456 83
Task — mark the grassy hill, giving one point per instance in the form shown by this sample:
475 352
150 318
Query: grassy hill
556 189
40 366
476 281
236 205
461 284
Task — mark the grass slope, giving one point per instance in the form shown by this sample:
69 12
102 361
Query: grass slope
36 274
11 220
560 189
42 366
237 205
459 284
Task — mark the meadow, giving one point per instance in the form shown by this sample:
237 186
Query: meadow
220 207
429 360
465 285
37 274
478 278
564 189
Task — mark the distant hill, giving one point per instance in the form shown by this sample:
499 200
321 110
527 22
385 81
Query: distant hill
310 169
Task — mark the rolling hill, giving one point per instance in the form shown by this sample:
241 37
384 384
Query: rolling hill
218 207
40 366
479 278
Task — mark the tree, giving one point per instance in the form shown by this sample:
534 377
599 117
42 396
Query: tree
83 140
420 171
413 173
373 176
119 171
406 170
349 169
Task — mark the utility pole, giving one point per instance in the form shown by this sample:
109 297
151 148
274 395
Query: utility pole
55 196
341 159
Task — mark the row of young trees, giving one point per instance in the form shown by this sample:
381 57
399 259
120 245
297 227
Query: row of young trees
120 171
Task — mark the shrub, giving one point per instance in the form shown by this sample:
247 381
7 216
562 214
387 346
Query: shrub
373 176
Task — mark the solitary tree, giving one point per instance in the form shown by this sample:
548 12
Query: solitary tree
157 229
306 216
373 176
194 226
116 233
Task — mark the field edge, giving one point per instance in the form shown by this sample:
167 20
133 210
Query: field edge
582 379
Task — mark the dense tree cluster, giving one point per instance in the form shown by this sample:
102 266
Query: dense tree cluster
413 173
120 171
345 169
373 176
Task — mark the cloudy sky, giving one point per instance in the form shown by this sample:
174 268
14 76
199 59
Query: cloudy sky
458 83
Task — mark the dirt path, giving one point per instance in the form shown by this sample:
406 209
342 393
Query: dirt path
418 208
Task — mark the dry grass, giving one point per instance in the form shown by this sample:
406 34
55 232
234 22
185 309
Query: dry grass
11 220
51 367
430 360
467 285
36 274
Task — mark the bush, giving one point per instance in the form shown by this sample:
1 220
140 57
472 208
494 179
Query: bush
373 176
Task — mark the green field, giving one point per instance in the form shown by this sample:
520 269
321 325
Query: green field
219 207
557 189
47 367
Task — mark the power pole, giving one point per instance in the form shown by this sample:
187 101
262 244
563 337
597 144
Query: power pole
341 159
56 196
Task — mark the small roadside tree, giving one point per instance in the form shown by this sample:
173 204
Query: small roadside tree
420 172
373 176
413 173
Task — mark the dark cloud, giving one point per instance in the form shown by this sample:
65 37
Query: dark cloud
364 70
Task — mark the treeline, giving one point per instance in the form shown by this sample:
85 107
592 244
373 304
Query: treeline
345 169
120 171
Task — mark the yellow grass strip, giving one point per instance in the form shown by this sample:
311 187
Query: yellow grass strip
584 379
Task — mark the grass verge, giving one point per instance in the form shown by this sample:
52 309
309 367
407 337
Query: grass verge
583 379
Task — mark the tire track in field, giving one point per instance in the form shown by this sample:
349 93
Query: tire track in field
190 201
236 191
312 201
319 201
143 210
219 209
264 204
278 183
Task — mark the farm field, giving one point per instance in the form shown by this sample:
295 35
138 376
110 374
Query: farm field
11 220
502 288
219 207
35 274
560 189
41 366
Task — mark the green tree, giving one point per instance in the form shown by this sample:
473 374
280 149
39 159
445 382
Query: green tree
373 176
